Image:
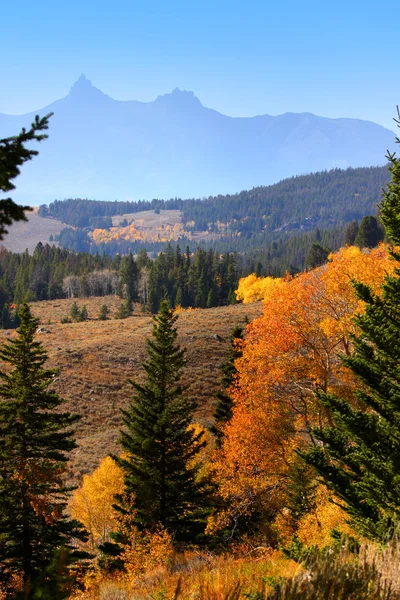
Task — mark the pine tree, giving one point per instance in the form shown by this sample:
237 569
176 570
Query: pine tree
125 310
35 439
13 154
75 313
84 313
368 235
223 410
104 312
360 456
159 445
129 276
351 233
317 256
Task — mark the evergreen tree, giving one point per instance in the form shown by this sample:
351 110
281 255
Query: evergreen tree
369 235
317 256
75 313
223 410
350 233
360 457
104 312
159 445
13 154
129 276
35 439
125 310
84 313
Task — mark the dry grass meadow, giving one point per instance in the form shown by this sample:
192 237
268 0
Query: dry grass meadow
96 358
27 234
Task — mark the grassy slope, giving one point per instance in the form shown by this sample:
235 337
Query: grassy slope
28 234
96 358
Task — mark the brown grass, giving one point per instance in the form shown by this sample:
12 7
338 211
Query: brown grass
151 220
95 359
23 235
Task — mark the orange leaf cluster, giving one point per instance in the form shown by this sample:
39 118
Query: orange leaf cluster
136 232
291 351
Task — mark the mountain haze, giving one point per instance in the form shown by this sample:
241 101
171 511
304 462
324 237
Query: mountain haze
174 146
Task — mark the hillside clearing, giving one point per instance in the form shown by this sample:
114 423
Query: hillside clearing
96 358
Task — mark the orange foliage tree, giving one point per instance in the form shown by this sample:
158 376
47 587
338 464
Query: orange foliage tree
92 503
291 351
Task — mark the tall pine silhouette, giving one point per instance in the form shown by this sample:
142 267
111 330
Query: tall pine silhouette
224 408
159 446
35 439
359 458
13 154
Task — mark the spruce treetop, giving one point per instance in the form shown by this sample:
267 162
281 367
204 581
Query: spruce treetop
13 154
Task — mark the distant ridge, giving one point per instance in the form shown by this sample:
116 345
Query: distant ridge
174 146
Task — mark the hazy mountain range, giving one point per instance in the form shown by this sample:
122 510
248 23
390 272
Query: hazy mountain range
174 146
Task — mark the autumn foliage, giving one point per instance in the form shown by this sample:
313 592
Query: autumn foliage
291 351
92 503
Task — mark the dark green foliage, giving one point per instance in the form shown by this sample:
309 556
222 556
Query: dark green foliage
160 449
79 213
369 234
389 207
300 490
360 457
75 313
55 583
13 154
223 410
84 313
290 205
317 256
351 233
129 276
125 310
35 439
104 312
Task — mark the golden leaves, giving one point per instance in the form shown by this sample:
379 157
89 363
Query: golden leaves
92 503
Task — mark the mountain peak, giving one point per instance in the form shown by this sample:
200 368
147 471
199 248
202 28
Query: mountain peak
83 88
179 98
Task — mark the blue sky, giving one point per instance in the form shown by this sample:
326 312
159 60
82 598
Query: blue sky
335 59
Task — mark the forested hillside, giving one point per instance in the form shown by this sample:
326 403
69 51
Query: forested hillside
244 221
199 279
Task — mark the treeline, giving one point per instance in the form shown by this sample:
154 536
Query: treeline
93 213
202 279
326 199
322 200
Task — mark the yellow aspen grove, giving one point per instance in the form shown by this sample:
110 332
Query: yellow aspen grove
92 503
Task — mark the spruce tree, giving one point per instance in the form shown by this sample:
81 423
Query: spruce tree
129 277
75 313
223 410
104 312
125 309
360 456
35 439
13 154
350 233
317 256
368 235
159 446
